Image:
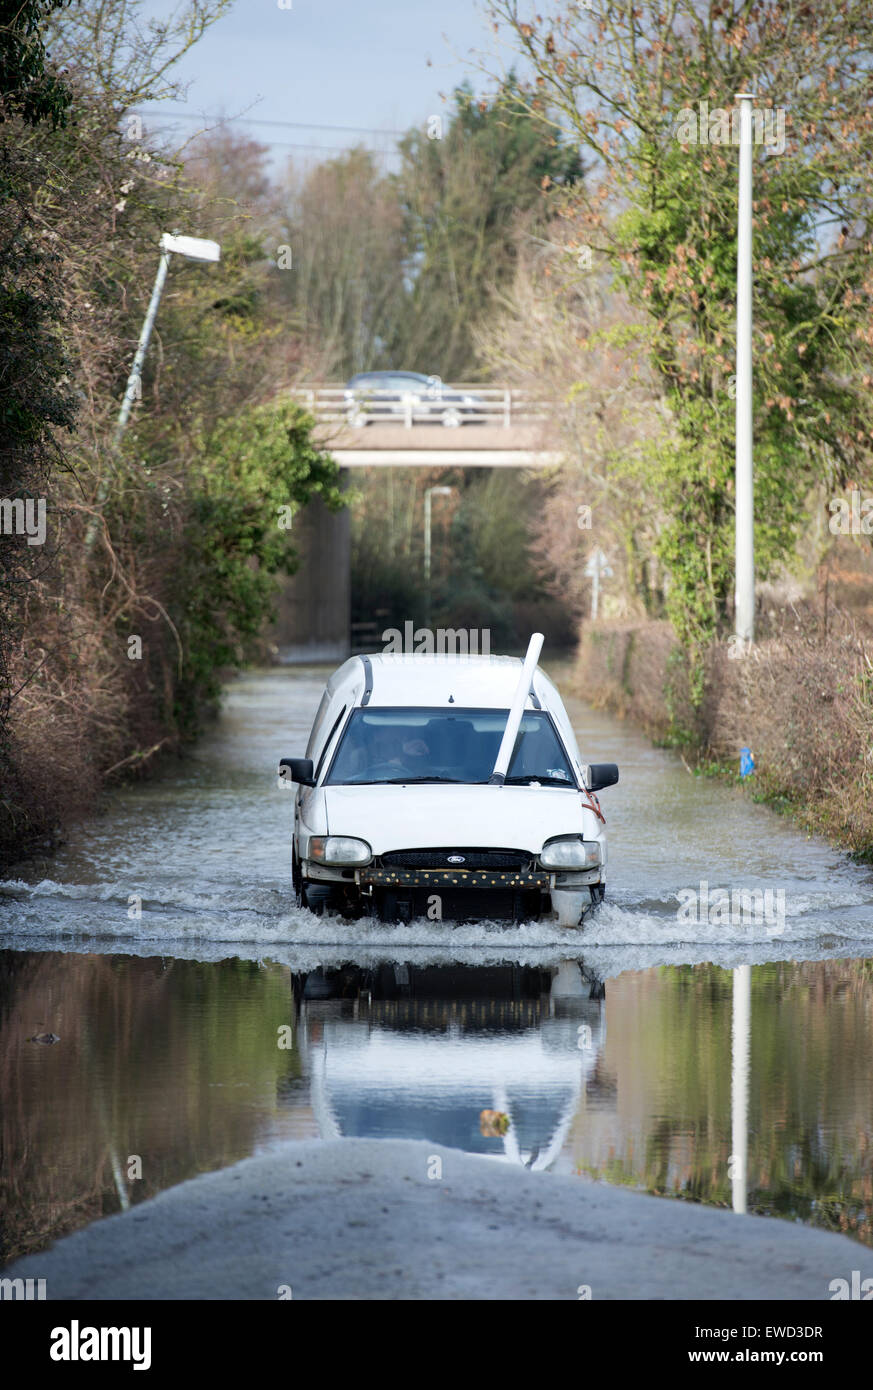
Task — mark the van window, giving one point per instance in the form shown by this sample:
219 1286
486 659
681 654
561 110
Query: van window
317 722
439 745
328 741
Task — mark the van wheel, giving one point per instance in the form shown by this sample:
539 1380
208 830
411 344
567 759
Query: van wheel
387 907
394 907
318 897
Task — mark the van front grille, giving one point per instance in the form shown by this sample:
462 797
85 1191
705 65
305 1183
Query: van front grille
501 860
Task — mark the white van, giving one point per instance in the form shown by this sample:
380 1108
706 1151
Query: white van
446 787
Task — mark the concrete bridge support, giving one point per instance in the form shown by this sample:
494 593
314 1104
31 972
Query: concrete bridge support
314 607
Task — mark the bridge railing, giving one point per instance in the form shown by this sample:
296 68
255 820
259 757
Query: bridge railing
454 405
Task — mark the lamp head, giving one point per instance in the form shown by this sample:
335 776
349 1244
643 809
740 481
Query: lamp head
194 247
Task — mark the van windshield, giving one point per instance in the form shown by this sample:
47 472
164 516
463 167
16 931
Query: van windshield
439 745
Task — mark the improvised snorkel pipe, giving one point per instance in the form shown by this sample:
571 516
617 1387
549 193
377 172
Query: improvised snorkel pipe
522 690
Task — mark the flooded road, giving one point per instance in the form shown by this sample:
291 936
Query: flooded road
202 1017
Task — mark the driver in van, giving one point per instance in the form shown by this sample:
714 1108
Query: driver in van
399 750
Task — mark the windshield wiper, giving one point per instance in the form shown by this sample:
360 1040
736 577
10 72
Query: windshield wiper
541 777
393 781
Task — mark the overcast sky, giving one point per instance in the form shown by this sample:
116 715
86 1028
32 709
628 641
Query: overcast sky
356 63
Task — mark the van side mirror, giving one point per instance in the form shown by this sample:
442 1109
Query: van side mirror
602 775
296 770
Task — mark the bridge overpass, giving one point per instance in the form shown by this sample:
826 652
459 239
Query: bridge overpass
503 428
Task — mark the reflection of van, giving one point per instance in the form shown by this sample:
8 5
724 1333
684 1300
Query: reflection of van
446 787
400 1051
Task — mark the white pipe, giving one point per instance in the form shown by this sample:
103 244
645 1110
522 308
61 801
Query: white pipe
516 710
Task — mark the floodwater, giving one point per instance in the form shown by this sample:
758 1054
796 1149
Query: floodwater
202 1017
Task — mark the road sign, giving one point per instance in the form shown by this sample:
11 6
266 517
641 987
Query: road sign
597 568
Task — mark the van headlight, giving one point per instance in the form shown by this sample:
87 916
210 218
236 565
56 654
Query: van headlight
339 849
570 852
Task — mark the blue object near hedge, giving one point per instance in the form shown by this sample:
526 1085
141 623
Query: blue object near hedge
747 762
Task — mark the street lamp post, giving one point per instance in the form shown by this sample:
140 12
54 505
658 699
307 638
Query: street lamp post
744 586
133 389
429 492
195 249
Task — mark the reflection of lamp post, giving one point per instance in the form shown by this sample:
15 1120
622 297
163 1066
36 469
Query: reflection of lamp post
195 249
441 492
740 1038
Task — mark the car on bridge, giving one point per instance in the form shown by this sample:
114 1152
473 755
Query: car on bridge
408 395
448 787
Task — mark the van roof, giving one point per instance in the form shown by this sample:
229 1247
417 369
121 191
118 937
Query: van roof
486 682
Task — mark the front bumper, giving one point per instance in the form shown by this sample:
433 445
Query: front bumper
523 876
453 878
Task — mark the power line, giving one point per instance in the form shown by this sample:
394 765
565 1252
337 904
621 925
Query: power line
332 149
250 120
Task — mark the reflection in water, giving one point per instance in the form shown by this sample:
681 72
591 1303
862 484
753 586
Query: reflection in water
412 1052
749 1087
740 1029
173 1063
795 1040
